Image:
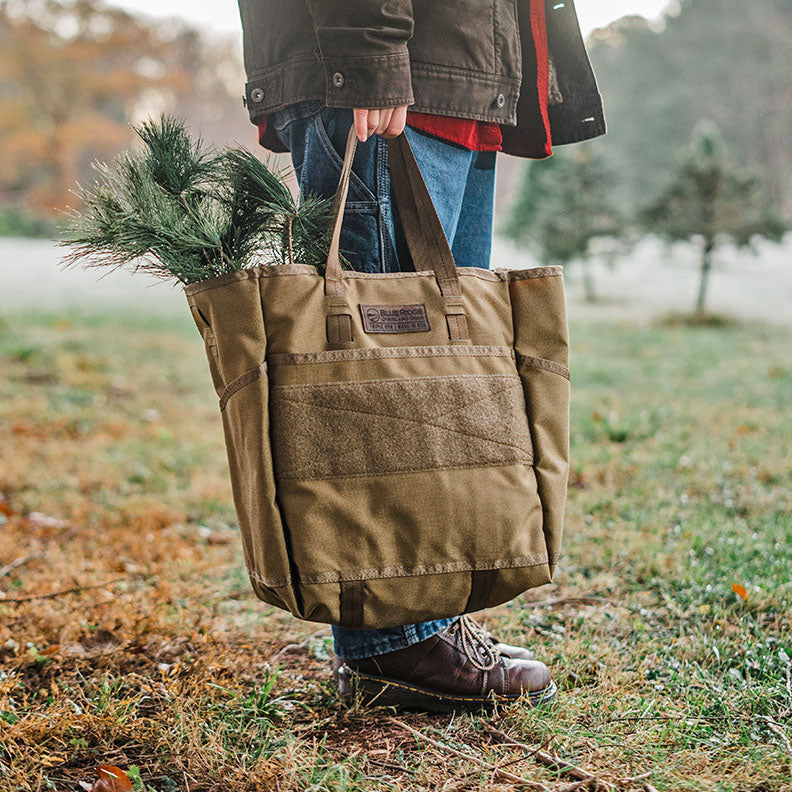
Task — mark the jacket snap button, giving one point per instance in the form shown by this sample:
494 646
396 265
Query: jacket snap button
501 100
256 95
338 79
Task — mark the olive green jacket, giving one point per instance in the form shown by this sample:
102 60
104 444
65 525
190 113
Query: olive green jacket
464 58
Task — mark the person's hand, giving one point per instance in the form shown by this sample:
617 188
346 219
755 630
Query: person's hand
385 121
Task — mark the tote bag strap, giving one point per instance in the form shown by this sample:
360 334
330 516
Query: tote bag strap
423 230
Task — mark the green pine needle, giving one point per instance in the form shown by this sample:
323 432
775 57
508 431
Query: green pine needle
181 210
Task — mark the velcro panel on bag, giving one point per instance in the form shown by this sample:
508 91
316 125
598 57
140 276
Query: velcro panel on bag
394 425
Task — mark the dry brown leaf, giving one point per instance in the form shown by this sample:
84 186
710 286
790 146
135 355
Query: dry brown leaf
111 779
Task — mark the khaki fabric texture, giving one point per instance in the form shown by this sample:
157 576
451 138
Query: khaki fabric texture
401 424
386 478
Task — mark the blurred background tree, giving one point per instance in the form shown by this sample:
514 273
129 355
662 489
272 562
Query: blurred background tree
564 211
711 200
724 60
76 75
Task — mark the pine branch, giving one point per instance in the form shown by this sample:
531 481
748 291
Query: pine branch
183 211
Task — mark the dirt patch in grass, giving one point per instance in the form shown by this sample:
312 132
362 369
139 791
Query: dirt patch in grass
129 635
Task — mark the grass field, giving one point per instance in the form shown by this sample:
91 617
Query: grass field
129 636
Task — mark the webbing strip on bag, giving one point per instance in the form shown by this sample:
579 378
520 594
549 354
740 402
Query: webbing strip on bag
351 604
481 582
457 327
334 285
339 328
426 239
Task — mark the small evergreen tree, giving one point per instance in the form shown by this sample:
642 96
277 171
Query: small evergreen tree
563 209
711 200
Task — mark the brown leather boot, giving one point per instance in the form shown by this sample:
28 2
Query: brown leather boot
460 667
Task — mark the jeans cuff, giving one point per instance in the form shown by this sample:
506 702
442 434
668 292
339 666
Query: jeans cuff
357 644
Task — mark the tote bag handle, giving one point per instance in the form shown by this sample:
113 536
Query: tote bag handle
423 230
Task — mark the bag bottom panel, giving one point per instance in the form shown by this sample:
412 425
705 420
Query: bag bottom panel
396 601
414 524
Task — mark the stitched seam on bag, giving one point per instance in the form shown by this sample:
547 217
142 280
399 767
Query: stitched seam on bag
517 383
536 272
527 361
240 382
275 269
480 272
497 275
494 275
423 569
250 273
271 582
221 280
210 341
342 383
400 471
383 573
377 353
280 270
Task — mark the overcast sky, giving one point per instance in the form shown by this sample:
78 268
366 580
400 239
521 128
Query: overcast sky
222 16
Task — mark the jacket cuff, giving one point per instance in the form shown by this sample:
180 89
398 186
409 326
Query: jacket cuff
368 81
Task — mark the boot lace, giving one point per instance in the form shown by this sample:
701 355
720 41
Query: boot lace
477 644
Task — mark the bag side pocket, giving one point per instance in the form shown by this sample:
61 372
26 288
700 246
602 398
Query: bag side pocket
245 412
547 405
210 345
542 348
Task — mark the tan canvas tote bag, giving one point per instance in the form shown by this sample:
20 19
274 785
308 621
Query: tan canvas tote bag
398 442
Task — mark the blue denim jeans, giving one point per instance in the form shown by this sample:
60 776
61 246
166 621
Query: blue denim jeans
462 185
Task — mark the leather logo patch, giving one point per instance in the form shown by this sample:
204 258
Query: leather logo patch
394 318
